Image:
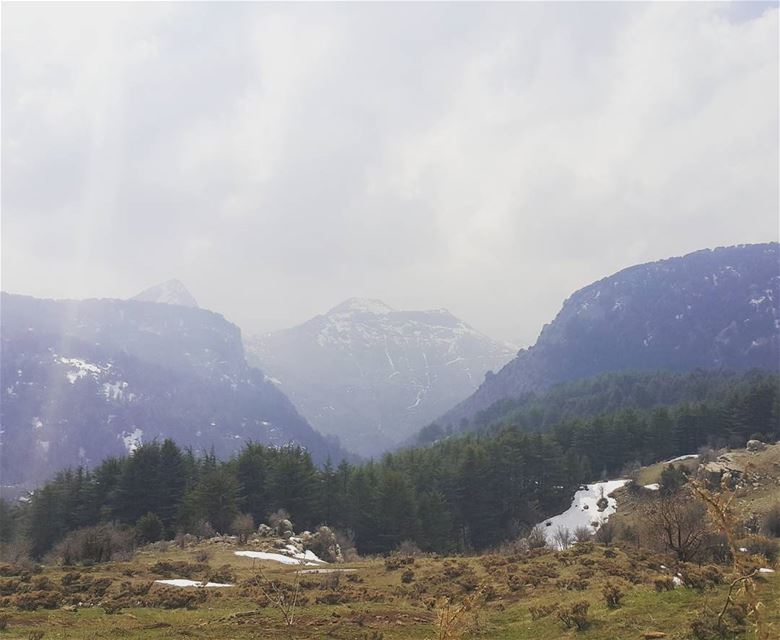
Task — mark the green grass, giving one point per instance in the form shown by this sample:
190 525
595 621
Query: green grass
381 603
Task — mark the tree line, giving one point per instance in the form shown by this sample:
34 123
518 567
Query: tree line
463 493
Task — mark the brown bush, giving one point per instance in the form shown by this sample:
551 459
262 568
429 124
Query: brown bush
664 584
541 611
395 562
178 569
571 584
613 594
174 598
575 615
101 543
761 546
223 574
9 587
32 600
4 618
407 576
770 523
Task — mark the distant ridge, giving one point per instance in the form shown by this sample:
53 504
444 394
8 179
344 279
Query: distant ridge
168 292
372 375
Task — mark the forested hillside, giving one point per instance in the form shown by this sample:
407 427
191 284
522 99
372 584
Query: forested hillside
712 309
465 493
605 394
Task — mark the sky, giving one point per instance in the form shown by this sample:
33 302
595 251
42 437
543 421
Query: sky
279 158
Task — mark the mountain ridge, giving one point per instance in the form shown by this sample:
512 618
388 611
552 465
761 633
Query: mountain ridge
675 314
373 375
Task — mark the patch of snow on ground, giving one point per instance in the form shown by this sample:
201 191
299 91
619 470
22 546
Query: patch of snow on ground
690 456
577 515
653 486
677 580
181 582
132 440
766 570
308 558
80 368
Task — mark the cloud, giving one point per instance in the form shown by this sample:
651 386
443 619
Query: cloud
279 158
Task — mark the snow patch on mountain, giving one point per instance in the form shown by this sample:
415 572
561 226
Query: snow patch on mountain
169 292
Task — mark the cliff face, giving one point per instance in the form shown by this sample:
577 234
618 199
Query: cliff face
83 380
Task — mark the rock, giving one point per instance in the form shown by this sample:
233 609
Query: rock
602 503
755 445
649 635
264 530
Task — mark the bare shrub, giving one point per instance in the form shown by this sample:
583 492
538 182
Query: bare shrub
770 524
613 594
345 538
678 523
409 548
761 546
606 533
583 534
562 537
100 543
542 611
242 526
536 538
575 615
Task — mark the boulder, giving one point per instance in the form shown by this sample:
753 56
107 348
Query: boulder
755 445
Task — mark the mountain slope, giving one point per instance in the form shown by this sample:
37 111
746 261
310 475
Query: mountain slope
85 380
372 375
169 292
712 309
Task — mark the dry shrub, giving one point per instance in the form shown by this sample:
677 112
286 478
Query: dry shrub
613 593
664 584
4 618
202 556
575 615
9 587
761 546
223 574
407 576
101 543
394 562
174 598
541 611
32 600
770 523
536 538
178 569
571 584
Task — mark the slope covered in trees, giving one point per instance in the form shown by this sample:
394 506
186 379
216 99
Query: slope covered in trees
607 393
464 493
712 309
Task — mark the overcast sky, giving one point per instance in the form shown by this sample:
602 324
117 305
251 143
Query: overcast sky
278 159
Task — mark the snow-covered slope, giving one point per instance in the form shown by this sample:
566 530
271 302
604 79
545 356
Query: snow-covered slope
584 510
372 375
169 292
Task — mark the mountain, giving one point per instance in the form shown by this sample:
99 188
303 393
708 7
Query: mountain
372 375
169 292
712 309
82 380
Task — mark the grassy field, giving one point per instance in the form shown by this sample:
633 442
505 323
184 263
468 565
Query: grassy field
500 596
380 599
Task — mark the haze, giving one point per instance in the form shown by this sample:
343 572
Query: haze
486 158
